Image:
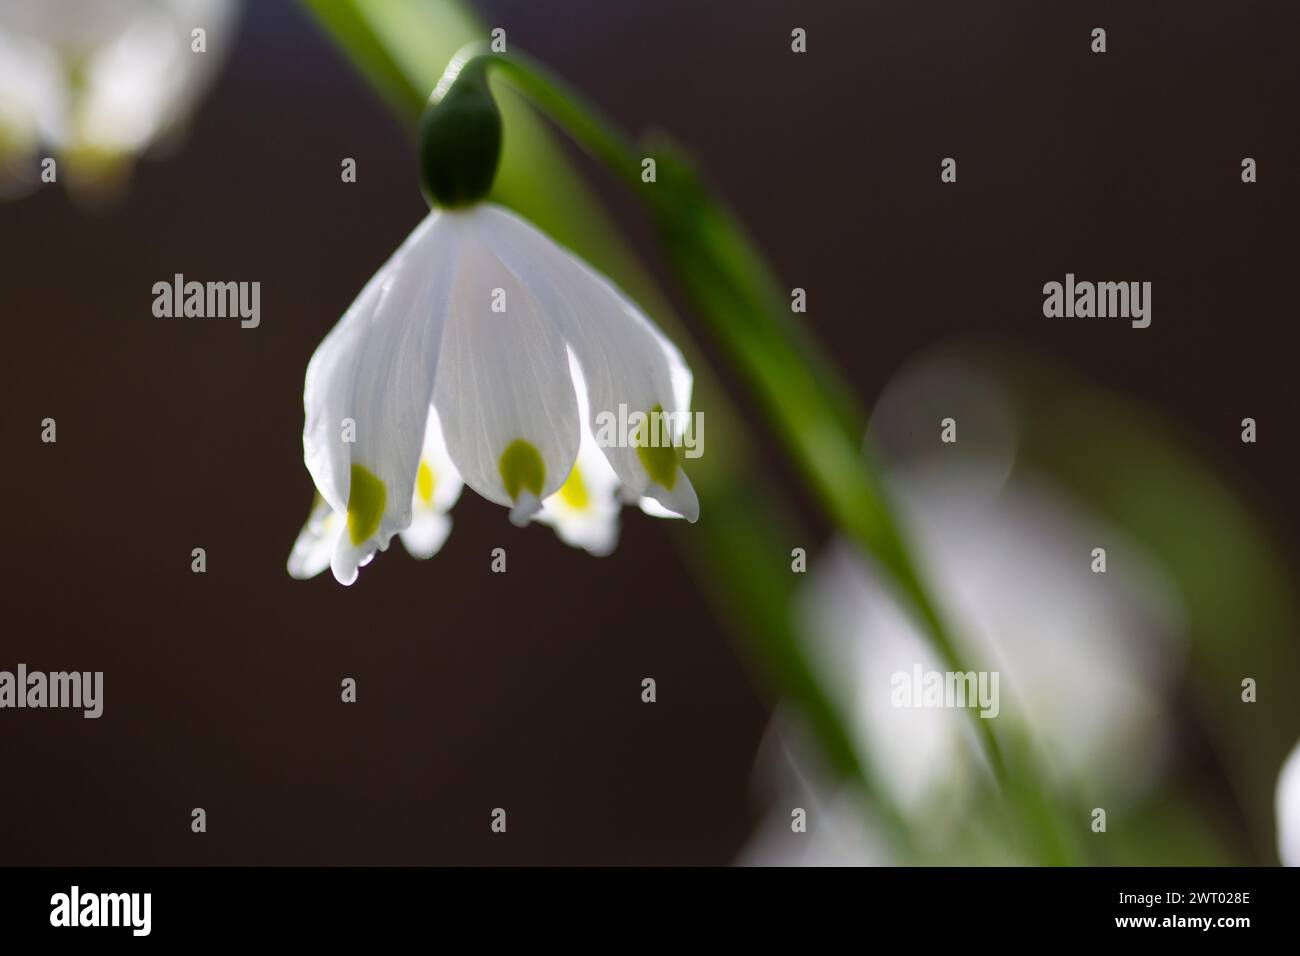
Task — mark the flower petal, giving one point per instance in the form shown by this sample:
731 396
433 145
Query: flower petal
126 76
426 534
311 552
1288 810
680 501
368 390
437 487
584 512
629 365
503 392
31 96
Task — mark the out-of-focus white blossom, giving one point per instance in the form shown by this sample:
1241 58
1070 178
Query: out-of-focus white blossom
97 82
1288 810
1084 658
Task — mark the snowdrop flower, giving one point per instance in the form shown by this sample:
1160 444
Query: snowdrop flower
1288 810
101 80
519 350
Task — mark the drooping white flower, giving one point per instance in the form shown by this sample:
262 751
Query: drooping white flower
1288 810
98 81
478 315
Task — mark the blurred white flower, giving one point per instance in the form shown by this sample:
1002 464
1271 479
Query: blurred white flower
1288 810
99 81
29 96
1084 659
519 350
838 834
835 828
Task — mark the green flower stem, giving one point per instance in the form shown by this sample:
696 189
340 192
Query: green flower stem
802 394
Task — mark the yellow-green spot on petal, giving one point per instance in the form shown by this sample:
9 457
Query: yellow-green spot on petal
425 481
661 459
366 500
574 491
522 469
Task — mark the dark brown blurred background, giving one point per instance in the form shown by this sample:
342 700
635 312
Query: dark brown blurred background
521 690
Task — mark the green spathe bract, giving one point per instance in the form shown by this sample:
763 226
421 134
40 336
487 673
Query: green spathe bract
460 138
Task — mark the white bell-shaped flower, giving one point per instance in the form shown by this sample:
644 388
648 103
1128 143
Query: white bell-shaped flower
476 319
